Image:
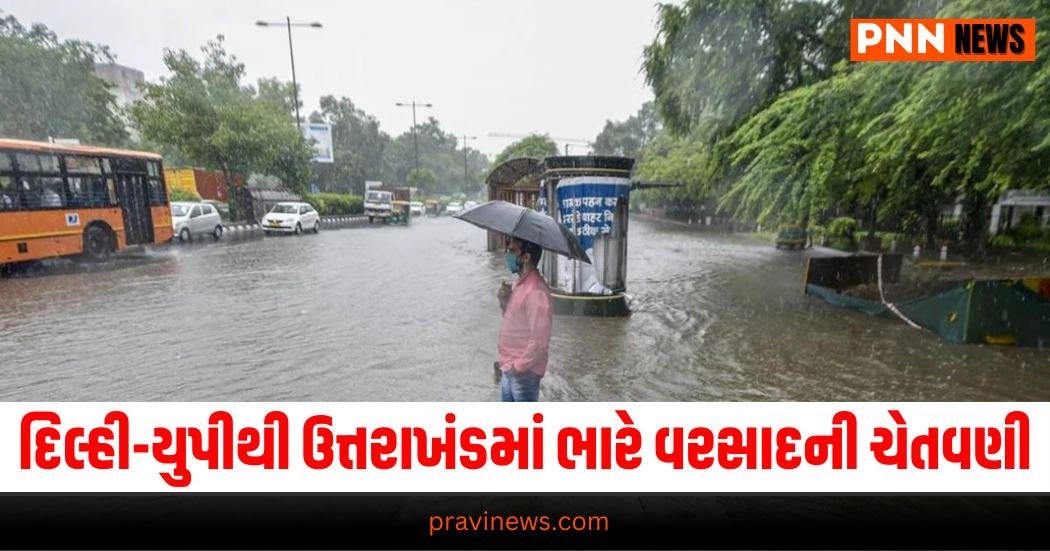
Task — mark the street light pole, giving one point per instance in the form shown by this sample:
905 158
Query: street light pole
466 172
295 85
291 53
415 135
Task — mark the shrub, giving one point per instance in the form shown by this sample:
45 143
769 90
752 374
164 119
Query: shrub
335 204
1002 240
179 194
842 233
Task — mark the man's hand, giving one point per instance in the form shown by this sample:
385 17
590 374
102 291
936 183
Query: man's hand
503 295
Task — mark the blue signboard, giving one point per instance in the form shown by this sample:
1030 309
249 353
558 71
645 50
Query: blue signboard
588 205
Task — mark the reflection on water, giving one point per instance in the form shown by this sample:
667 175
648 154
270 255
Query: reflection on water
409 313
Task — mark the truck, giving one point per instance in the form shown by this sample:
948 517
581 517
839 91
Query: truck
387 204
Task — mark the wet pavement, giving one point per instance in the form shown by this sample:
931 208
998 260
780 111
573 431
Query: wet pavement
410 314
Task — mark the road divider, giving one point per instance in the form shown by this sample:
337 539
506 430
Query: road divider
339 222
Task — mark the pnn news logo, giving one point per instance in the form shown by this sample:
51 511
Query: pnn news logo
942 39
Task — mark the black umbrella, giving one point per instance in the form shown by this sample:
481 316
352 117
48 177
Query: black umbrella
527 225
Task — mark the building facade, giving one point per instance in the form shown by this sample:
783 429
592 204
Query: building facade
125 81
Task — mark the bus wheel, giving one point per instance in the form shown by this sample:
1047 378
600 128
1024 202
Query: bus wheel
96 243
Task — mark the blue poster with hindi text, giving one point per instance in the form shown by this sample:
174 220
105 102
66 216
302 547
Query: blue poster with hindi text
587 205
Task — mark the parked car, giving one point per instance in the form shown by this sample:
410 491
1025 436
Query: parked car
469 205
417 208
453 208
291 217
791 237
223 208
194 219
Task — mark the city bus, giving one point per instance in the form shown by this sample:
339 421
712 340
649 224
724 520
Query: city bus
78 201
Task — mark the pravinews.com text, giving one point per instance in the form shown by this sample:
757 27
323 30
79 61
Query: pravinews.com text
514 523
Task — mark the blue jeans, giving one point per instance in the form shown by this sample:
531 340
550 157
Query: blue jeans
520 387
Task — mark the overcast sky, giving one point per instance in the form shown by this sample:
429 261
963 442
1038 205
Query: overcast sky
560 67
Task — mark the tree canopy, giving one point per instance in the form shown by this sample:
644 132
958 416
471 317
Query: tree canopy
48 87
535 145
779 126
205 112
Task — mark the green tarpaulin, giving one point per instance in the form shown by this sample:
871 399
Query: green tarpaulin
995 311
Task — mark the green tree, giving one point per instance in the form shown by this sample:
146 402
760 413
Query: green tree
627 138
205 112
424 179
968 131
536 146
723 60
441 154
48 87
358 147
279 93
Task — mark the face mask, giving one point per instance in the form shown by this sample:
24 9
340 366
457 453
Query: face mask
513 264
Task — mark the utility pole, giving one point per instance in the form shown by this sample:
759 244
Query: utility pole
291 53
415 134
466 172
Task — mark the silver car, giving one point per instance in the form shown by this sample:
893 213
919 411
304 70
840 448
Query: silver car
192 219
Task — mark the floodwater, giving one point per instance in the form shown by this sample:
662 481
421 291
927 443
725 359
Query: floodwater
410 314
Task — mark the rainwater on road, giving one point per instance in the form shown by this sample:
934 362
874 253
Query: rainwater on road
410 314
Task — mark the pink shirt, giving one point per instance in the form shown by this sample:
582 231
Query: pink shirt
525 335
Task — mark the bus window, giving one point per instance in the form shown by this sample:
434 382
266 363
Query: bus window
28 163
137 166
49 164
44 192
31 163
87 191
111 191
82 165
85 182
156 193
8 193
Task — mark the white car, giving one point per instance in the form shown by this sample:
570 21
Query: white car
417 208
292 217
469 205
190 219
453 208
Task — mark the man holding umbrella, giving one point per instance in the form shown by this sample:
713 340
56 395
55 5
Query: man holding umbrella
525 334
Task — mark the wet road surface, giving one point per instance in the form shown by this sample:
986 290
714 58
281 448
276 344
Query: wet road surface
410 314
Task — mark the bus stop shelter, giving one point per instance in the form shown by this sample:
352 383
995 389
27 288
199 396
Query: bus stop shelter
515 181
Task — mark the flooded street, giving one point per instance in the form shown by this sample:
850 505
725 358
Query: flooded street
410 314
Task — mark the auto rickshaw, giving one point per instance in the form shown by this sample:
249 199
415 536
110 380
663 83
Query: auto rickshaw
400 212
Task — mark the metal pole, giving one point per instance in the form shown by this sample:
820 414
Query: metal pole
415 135
295 86
466 171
